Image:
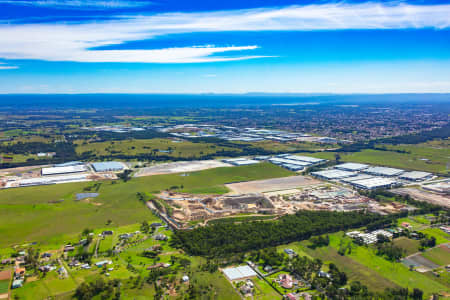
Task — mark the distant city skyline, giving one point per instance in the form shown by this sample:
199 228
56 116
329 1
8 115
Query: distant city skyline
93 46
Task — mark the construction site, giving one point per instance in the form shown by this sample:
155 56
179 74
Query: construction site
183 208
270 197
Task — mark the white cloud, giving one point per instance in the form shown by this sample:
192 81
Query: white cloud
75 41
5 67
78 4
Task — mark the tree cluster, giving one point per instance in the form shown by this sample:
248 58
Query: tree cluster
221 240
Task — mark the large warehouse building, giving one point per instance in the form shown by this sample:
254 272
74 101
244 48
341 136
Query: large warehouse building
308 159
416 176
383 171
63 170
352 167
108 166
240 161
333 174
374 183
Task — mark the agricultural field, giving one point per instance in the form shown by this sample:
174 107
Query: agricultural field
30 214
439 255
157 146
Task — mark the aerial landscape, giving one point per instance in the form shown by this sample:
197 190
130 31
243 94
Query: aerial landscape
251 150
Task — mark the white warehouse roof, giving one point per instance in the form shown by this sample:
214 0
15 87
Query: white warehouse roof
239 272
277 160
415 175
356 178
64 170
373 183
351 167
333 174
383 171
305 158
107 166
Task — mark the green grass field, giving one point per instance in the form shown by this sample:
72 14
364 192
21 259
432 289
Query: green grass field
264 291
430 157
441 237
410 246
46 287
354 269
134 147
4 286
438 255
392 271
27 214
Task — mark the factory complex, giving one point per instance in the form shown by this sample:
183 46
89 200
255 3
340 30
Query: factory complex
362 176
231 133
74 171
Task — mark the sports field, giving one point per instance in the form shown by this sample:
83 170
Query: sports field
37 214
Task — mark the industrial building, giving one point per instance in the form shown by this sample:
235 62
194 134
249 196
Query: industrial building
240 161
282 161
333 174
311 160
351 167
374 183
63 170
416 176
69 164
441 187
356 178
383 171
52 180
108 166
239 273
294 168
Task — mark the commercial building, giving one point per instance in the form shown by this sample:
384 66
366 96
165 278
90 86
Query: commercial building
383 171
63 170
351 167
333 174
108 166
239 273
374 183
416 176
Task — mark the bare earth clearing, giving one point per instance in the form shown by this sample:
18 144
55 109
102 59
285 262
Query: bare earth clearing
267 185
424 196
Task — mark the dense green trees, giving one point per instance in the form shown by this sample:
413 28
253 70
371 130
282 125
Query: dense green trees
222 240
390 251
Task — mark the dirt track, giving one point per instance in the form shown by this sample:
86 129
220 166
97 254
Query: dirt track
267 185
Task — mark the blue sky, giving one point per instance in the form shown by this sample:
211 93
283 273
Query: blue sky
167 46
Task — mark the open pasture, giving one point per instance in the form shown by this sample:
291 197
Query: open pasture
37 214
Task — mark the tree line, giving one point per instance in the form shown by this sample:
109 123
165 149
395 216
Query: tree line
221 240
